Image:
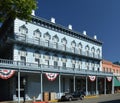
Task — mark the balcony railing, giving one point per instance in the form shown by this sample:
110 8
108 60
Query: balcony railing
56 46
25 66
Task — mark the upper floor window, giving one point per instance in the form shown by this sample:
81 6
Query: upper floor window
47 38
80 48
98 53
87 50
73 45
37 33
46 56
87 64
22 52
23 60
36 54
93 66
55 41
64 42
93 51
55 58
64 59
23 29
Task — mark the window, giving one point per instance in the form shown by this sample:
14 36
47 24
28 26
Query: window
55 41
93 51
80 48
87 50
55 64
64 65
47 63
64 42
23 60
47 43
37 35
98 53
37 61
73 45
23 31
73 66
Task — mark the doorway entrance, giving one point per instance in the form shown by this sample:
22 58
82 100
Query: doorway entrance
4 90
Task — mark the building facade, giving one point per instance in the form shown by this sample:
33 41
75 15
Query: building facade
108 66
50 58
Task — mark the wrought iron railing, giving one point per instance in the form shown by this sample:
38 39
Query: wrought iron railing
57 46
19 65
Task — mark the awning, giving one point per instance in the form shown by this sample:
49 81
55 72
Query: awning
116 82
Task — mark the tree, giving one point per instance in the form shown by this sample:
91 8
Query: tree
16 8
11 9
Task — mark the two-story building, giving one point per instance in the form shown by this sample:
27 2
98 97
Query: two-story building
108 66
48 57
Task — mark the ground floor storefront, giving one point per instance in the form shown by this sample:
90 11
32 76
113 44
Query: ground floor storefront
24 85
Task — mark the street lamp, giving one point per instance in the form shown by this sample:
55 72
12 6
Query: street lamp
24 83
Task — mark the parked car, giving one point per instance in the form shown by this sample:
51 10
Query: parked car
73 96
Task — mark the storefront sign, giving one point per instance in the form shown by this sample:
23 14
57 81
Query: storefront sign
109 79
92 78
51 76
6 74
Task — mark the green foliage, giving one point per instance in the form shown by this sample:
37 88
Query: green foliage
16 8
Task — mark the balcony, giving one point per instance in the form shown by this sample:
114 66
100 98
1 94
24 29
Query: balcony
34 67
54 46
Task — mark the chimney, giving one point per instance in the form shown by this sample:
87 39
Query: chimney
70 27
84 32
53 20
33 12
95 37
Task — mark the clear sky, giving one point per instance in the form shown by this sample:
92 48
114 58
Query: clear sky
97 17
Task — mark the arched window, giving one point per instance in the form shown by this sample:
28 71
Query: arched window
98 53
23 31
64 42
73 45
93 51
87 50
80 48
55 41
47 38
37 35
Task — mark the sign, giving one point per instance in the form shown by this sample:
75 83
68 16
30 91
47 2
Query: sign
92 78
6 74
109 79
51 76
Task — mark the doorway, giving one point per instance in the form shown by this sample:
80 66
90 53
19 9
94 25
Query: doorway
4 90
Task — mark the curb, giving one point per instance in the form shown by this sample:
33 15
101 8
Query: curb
95 96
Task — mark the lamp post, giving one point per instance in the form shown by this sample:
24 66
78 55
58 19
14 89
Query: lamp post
24 84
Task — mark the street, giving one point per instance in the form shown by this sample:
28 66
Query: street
109 98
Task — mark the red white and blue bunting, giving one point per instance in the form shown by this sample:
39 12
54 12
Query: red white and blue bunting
51 76
6 74
92 78
109 79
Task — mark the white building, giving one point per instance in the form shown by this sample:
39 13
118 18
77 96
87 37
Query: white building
51 58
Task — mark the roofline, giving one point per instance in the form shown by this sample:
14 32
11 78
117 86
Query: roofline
66 29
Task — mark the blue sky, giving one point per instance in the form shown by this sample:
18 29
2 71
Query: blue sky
97 17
